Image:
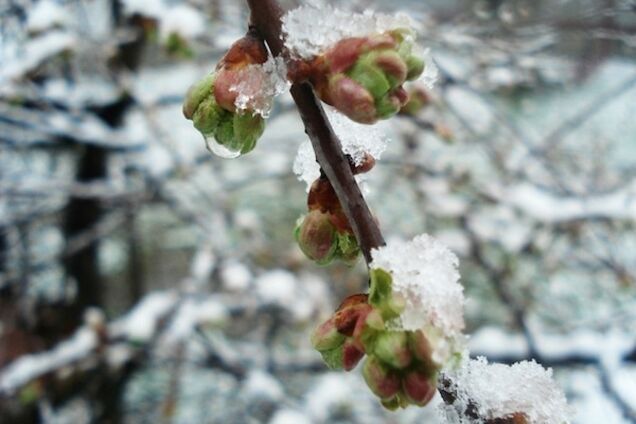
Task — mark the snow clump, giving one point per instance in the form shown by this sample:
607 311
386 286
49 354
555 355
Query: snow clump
502 391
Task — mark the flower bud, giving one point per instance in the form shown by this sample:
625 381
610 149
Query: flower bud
323 197
210 103
351 99
347 318
326 336
208 115
392 66
248 128
392 348
196 94
383 382
351 355
418 387
418 99
421 348
363 77
348 249
367 164
316 237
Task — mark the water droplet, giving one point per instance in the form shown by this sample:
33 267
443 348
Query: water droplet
220 150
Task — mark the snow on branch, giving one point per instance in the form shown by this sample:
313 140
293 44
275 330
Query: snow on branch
425 274
357 141
522 393
548 207
311 28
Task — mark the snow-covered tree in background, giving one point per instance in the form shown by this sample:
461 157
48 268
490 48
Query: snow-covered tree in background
410 324
142 279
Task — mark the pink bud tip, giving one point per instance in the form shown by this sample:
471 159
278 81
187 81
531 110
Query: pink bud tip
352 99
418 388
351 355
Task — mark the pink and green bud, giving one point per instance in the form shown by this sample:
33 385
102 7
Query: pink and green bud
418 99
352 99
422 349
392 348
196 94
418 387
209 103
351 354
327 337
348 249
363 77
316 237
381 294
383 382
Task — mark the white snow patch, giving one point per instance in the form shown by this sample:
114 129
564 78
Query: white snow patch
277 286
183 20
548 207
34 52
28 367
261 385
140 323
149 8
289 416
425 274
356 140
498 391
494 341
194 312
311 28
45 14
235 276
330 392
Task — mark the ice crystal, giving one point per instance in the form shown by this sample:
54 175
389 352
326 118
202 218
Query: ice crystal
424 273
356 140
431 72
309 29
500 391
259 84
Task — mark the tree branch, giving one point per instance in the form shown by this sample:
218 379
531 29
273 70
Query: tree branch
266 20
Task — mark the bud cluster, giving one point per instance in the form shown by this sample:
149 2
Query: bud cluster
419 98
362 77
401 367
324 234
210 103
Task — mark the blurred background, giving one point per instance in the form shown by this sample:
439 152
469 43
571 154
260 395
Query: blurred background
143 280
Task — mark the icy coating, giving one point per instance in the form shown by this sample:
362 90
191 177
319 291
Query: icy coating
259 84
309 29
356 139
431 72
425 274
499 391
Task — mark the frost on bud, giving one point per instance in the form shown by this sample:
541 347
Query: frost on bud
362 77
365 164
210 103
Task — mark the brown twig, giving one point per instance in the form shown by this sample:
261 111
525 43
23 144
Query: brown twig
266 20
